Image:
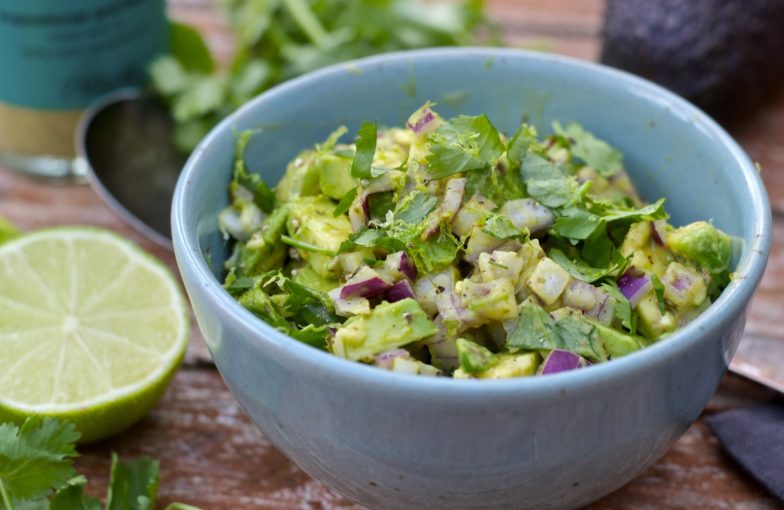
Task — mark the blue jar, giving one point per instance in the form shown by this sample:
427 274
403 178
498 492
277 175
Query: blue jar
56 57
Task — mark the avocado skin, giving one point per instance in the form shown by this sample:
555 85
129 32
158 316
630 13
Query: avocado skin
725 56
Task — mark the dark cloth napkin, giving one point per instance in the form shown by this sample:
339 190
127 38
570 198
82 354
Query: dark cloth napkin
755 438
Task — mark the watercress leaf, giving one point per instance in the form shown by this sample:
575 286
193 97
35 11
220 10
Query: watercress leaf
133 485
361 166
345 203
594 152
463 144
36 457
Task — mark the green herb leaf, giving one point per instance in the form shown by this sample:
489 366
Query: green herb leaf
522 141
415 207
580 337
332 140
547 183
133 485
72 497
580 269
263 195
500 227
658 288
535 331
596 153
345 203
576 223
302 245
371 238
463 144
623 308
188 47
361 167
36 458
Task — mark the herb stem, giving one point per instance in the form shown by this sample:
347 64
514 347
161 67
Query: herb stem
302 245
6 497
307 21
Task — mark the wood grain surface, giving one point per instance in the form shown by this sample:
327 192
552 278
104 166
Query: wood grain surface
213 457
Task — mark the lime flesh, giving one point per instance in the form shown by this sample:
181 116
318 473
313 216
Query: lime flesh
91 329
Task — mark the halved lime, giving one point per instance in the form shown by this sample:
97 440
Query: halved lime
91 329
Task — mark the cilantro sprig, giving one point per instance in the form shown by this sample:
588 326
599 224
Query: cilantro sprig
37 473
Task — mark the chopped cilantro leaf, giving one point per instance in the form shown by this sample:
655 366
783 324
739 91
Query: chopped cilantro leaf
362 165
596 153
416 207
463 144
263 196
623 308
520 143
536 330
345 203
580 269
547 183
499 226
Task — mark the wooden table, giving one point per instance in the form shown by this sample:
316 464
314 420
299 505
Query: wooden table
213 457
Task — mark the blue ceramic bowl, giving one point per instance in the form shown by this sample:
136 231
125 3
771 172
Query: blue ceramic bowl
401 442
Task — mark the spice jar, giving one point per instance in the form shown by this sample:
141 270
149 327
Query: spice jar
56 57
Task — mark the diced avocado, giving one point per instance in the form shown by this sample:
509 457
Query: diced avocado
473 213
548 280
645 254
616 342
564 312
306 276
512 365
311 221
683 287
500 264
404 365
473 357
301 178
480 242
388 326
494 300
335 175
703 244
653 323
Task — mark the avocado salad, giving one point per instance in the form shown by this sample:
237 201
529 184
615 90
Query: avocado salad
447 248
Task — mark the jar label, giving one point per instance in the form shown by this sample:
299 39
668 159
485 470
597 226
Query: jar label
60 55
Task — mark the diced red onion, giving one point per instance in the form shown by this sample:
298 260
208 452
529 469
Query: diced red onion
561 361
657 231
387 358
634 285
399 263
364 288
399 291
422 122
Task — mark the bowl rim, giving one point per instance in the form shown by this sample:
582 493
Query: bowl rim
732 301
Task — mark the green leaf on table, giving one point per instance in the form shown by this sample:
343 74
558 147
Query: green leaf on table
72 497
188 47
361 166
463 144
596 153
133 485
36 457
